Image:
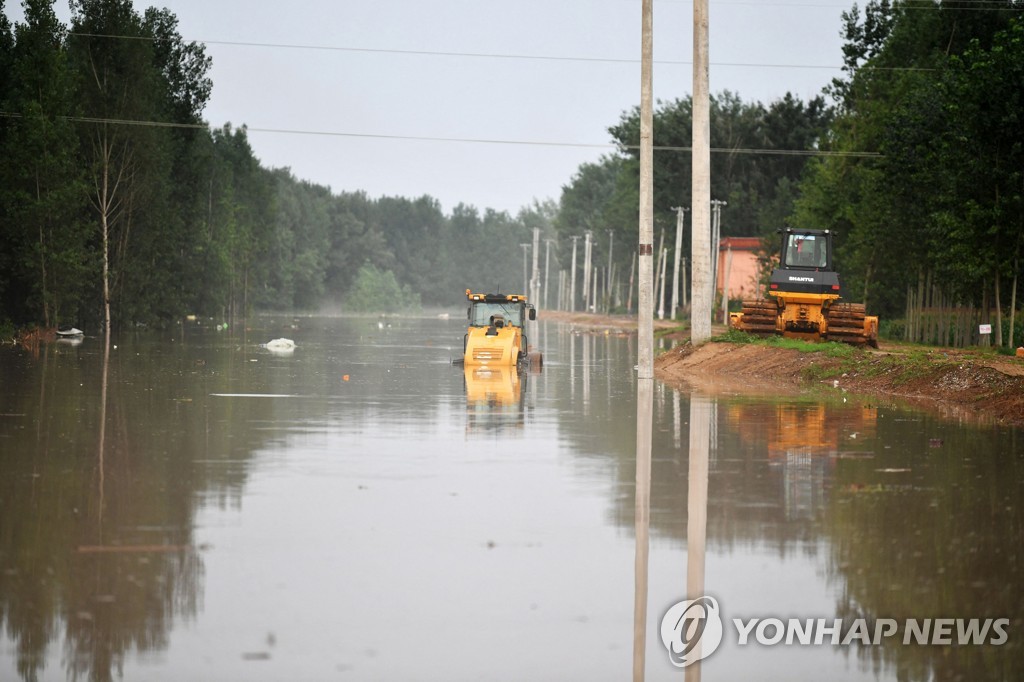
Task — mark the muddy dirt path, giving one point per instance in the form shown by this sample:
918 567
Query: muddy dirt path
959 383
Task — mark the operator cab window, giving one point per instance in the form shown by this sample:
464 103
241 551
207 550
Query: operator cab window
481 314
806 251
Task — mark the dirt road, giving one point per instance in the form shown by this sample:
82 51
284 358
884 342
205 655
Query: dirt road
959 383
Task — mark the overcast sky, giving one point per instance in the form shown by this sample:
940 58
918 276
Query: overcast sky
484 102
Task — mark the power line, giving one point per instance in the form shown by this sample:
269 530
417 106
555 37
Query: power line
475 55
465 140
510 56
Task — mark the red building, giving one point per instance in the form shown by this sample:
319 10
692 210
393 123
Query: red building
738 268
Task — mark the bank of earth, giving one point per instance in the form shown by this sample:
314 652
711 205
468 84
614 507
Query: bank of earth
959 383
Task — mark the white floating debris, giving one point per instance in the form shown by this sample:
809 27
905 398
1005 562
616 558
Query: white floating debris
280 345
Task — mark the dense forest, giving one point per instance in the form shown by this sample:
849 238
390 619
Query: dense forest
114 190
117 198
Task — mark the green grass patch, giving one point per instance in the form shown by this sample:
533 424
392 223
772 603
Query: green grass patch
832 349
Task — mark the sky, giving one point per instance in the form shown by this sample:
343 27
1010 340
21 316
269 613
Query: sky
488 103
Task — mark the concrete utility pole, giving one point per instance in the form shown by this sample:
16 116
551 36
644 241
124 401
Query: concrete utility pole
572 276
680 210
700 249
547 268
535 273
716 239
587 250
526 281
685 301
645 341
725 285
611 242
661 278
645 282
632 276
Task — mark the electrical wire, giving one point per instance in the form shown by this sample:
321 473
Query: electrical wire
466 140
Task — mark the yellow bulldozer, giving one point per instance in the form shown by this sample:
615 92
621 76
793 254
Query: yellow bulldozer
804 297
496 334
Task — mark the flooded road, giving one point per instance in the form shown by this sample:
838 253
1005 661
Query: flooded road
361 509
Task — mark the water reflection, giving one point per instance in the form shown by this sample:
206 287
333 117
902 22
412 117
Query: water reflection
494 399
642 514
96 548
701 409
291 531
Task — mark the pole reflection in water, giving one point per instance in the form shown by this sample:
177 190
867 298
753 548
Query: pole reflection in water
644 421
701 409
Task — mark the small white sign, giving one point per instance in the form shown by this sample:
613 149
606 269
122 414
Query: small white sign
984 329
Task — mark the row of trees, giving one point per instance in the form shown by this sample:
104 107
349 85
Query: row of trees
937 90
916 160
115 195
119 206
754 170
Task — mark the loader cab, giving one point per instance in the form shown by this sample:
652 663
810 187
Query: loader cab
491 310
806 249
496 335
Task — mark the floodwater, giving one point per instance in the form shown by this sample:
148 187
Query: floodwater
360 508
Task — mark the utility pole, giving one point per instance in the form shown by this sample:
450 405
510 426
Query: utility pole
535 273
547 268
725 284
526 282
608 283
632 276
716 239
645 283
680 210
587 248
593 292
700 250
645 341
572 276
661 291
684 280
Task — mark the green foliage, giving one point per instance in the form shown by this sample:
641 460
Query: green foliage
377 291
197 225
936 92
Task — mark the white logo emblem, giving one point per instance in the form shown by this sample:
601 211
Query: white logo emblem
691 630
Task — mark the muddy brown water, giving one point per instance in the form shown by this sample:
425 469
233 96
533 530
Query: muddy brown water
360 508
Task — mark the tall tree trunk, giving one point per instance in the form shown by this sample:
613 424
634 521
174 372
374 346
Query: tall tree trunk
985 315
999 314
920 299
42 260
867 286
1013 298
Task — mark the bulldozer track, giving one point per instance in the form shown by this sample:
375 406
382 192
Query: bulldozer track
845 322
759 316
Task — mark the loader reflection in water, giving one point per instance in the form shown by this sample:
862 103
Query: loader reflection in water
494 399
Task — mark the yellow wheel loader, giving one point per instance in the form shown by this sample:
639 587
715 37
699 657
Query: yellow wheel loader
496 334
803 297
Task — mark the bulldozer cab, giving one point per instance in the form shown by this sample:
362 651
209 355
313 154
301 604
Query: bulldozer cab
811 250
